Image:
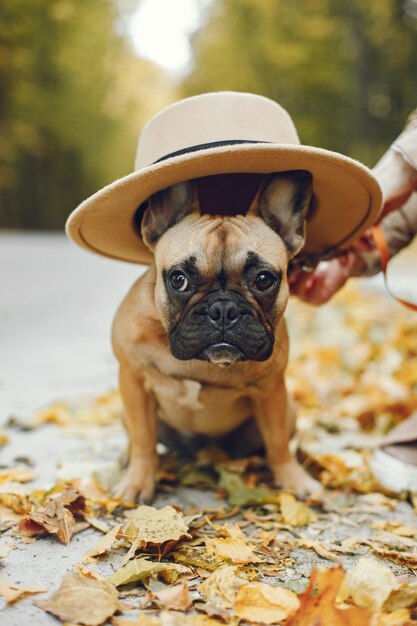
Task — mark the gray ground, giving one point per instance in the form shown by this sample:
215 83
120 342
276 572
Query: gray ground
56 306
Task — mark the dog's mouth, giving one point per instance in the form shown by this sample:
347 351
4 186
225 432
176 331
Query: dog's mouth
222 354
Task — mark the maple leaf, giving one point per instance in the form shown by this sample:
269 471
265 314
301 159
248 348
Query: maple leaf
13 592
82 600
317 603
265 604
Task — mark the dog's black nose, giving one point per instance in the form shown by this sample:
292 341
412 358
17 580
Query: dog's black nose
223 313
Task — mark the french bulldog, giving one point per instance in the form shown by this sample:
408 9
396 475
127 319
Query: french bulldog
201 338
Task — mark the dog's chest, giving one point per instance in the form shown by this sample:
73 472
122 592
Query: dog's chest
190 406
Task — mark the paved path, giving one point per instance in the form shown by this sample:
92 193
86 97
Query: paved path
56 307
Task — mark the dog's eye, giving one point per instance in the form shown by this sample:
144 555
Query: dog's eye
264 281
178 281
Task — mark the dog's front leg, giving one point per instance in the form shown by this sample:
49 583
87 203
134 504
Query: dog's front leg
276 423
139 479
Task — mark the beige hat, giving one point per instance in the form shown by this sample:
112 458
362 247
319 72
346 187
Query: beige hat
224 133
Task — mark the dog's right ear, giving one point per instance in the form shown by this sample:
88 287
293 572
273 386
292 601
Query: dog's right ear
167 208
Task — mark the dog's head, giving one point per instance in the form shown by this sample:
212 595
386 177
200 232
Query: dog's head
221 283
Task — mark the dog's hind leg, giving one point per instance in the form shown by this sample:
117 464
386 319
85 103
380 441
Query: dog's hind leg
138 481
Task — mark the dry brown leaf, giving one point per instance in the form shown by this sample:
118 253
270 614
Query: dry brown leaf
142 620
18 503
176 597
103 545
318 547
13 592
317 605
295 513
368 583
237 551
265 604
221 586
149 526
56 516
82 600
403 596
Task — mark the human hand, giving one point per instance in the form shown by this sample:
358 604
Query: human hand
328 277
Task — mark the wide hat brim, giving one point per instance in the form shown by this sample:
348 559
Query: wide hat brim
347 197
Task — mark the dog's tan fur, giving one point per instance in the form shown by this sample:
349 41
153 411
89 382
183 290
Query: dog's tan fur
198 396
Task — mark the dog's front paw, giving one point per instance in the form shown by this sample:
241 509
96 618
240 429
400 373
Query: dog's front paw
292 476
137 483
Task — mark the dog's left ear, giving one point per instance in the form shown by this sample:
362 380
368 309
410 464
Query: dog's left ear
283 204
166 208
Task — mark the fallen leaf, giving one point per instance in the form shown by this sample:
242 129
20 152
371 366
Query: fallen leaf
149 526
17 474
265 604
176 597
401 617
369 583
221 586
13 592
141 569
317 603
103 545
295 513
403 596
240 494
55 516
82 600
237 551
319 548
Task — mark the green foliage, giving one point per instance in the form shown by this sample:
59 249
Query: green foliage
346 71
73 97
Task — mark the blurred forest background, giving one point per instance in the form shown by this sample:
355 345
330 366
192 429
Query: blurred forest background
74 94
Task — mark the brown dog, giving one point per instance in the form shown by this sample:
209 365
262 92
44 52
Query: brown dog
201 339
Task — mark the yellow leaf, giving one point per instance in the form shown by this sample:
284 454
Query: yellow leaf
142 569
13 592
221 586
369 583
295 513
265 604
176 597
82 600
103 545
151 526
17 475
237 551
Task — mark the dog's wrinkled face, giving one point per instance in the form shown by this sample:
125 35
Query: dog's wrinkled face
221 281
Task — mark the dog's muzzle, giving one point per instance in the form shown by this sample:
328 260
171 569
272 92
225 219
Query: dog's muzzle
221 328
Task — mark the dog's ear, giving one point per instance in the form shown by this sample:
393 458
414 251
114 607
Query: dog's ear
283 204
166 208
